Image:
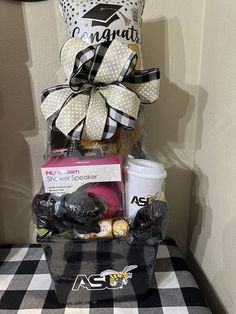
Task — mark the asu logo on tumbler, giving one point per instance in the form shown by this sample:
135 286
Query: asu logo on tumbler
108 279
145 201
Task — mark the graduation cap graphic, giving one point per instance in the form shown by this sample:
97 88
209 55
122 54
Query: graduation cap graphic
105 14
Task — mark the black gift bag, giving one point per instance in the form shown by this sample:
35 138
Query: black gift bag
93 270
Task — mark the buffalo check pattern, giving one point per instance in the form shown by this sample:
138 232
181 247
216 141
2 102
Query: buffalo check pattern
26 286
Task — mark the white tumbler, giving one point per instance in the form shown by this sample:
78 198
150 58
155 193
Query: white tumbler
144 181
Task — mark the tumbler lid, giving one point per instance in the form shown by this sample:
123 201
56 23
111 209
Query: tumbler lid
146 168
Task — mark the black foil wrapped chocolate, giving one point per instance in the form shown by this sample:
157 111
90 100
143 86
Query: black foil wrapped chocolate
150 222
81 212
44 210
76 211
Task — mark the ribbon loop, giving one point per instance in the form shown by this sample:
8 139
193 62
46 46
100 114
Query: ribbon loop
146 84
148 92
117 58
122 99
102 91
73 113
54 100
79 78
69 51
96 117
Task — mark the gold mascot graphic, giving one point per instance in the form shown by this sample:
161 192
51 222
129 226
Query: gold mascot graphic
119 279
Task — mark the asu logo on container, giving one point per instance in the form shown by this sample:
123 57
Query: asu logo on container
108 279
145 201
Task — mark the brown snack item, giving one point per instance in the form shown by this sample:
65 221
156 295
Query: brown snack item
128 138
120 144
120 228
98 149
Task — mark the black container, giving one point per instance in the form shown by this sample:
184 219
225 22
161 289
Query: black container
99 269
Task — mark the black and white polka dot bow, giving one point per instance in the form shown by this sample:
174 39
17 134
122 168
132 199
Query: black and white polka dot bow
103 90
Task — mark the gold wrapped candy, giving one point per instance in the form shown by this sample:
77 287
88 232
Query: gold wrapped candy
120 228
105 229
109 228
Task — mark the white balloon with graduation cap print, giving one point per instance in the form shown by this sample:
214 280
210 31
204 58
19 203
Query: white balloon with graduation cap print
96 21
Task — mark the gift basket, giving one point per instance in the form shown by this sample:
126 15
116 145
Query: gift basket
101 211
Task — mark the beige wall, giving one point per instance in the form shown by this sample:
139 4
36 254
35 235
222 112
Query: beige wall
212 236
171 40
17 116
28 63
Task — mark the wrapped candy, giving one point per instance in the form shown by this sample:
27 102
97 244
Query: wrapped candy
44 210
120 228
110 228
80 211
76 211
150 222
99 21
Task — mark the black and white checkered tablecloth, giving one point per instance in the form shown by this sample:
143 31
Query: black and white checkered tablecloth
26 286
